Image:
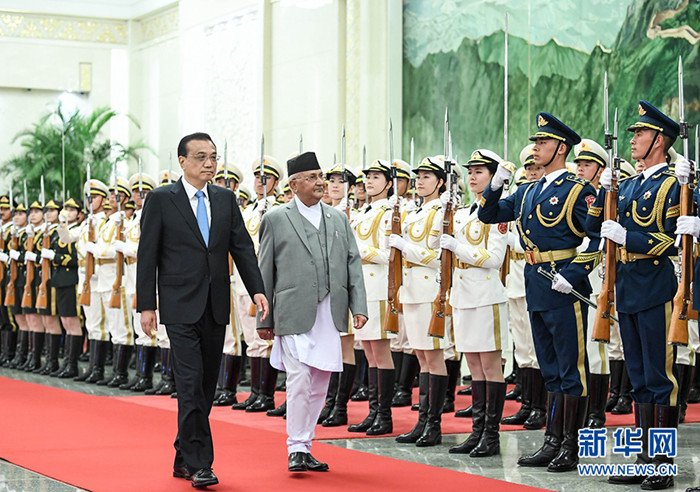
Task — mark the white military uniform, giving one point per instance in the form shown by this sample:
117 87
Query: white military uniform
370 229
232 338
420 270
478 298
94 313
400 342
597 351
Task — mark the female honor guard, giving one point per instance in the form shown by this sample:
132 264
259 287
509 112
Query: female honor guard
418 245
479 310
370 228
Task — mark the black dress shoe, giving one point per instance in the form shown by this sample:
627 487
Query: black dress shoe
181 472
297 462
312 464
204 478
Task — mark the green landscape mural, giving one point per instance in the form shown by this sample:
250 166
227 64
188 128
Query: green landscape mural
558 54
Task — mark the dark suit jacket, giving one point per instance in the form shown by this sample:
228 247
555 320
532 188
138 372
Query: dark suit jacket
172 250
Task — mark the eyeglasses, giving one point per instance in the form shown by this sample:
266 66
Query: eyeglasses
203 157
312 178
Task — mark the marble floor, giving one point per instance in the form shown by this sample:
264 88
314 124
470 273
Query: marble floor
502 467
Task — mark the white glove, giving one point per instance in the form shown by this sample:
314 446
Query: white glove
29 229
682 169
62 219
49 254
393 200
343 205
448 242
14 254
614 231
29 256
119 246
411 205
688 224
396 241
560 284
117 218
94 221
606 178
503 173
91 247
232 279
445 198
512 239
5 258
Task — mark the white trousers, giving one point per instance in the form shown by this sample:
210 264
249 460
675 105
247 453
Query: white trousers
232 339
95 318
119 320
257 347
306 395
521 333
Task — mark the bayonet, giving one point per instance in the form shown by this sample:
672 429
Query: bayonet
227 180
89 195
681 110
63 165
364 157
26 203
263 176
505 94
116 189
301 144
43 192
394 175
170 167
413 180
140 179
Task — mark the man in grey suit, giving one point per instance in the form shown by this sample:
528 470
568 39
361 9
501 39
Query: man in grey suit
312 273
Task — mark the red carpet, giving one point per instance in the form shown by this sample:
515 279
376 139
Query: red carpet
404 419
112 444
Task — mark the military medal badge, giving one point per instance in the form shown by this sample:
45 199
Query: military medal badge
554 200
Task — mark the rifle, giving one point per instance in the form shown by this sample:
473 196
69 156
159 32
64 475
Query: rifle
28 295
606 298
505 266
41 297
2 248
437 320
391 320
89 258
115 300
263 181
682 301
10 293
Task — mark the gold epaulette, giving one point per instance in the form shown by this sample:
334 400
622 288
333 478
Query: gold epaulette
575 179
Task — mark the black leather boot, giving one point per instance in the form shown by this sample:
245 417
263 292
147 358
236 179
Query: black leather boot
98 371
91 361
598 391
644 419
34 363
51 363
330 397
268 383
254 385
575 408
231 370
616 368
4 350
478 410
397 360
624 402
694 394
432 434
517 390
339 414
404 391
552 434
467 390
159 366
685 378
21 350
512 377
146 365
70 364
664 417
360 390
373 403
280 411
9 343
417 431
519 417
453 367
538 414
122 356
382 422
466 413
167 386
490 442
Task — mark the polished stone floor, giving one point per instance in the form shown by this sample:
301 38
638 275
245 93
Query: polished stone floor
503 467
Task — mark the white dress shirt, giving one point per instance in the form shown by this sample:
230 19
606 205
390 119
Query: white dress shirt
323 334
552 177
194 201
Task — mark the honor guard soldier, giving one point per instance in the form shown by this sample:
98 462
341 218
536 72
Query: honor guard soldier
263 376
64 282
98 336
8 327
591 159
533 408
243 197
480 314
287 191
551 218
14 305
228 173
419 246
647 206
140 185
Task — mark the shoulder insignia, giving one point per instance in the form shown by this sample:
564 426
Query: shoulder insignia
589 200
502 227
575 179
436 207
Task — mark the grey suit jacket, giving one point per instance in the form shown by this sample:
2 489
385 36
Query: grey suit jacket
285 263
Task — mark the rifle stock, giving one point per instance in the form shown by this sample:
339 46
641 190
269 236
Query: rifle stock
115 300
27 296
437 320
391 321
2 248
606 298
41 297
505 267
682 301
10 294
89 269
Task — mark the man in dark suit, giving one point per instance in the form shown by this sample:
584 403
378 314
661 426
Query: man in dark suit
188 229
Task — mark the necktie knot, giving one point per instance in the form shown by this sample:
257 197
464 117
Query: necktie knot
199 194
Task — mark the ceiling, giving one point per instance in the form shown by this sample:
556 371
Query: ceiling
109 9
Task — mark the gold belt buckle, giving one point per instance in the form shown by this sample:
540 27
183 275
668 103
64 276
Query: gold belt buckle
623 254
530 257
